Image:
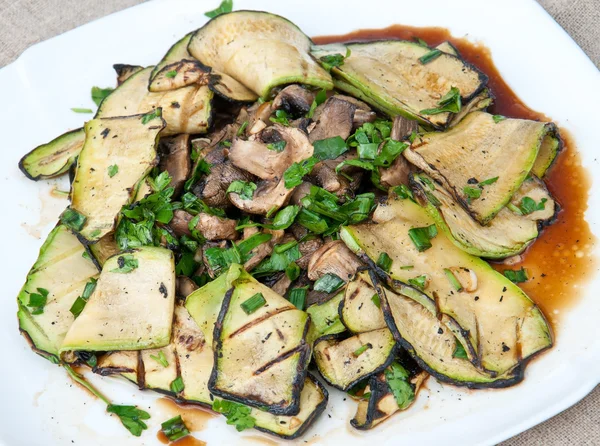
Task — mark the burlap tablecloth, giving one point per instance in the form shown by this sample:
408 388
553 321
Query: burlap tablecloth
25 22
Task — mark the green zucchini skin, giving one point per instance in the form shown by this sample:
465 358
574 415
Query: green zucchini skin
297 384
65 148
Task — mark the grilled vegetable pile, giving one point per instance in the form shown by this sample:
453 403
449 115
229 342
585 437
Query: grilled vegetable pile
255 211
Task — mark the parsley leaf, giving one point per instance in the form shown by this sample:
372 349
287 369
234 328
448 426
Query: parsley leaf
156 113
498 118
516 276
73 219
237 414
126 263
278 146
450 102
224 7
397 380
320 97
131 417
294 174
245 189
281 117
528 205
37 301
98 94
171 74
459 351
334 60
113 170
329 148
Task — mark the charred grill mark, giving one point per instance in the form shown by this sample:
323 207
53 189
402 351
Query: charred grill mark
259 320
141 372
280 358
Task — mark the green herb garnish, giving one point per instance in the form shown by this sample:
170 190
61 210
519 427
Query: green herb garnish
237 414
98 94
113 170
450 102
73 219
459 351
516 276
174 429
528 205
328 283
376 300
156 113
329 148
37 301
430 56
126 263
82 110
292 271
245 189
131 417
320 97
334 60
397 380
171 74
418 282
281 117
498 118
294 174
360 350
384 262
224 7
453 280
253 303
421 237
81 301
278 146
161 358
177 385
298 297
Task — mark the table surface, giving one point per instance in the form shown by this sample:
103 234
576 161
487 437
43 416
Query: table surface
25 22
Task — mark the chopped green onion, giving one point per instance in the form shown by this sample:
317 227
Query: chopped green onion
384 262
450 102
174 429
37 301
453 280
459 351
418 282
498 118
82 110
421 237
376 300
363 348
126 263
328 283
113 170
171 74
98 94
177 385
278 146
253 303
292 271
242 128
431 55
73 219
161 358
298 297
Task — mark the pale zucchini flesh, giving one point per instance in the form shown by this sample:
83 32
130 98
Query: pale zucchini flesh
260 358
491 314
128 310
506 235
550 147
54 158
62 269
479 149
130 144
185 110
258 49
389 72
343 363
325 318
360 310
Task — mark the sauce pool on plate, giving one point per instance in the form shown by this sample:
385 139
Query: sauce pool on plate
559 262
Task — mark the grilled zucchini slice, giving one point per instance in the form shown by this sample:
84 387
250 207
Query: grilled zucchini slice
120 363
132 305
261 353
478 149
260 50
54 158
343 363
378 402
360 311
390 73
130 144
506 235
551 145
62 271
325 319
185 110
500 324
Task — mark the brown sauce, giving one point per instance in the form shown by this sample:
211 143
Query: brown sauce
560 261
194 417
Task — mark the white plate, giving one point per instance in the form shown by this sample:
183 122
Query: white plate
40 406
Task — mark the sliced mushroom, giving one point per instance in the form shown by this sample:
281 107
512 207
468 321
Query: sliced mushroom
335 119
175 159
268 196
256 157
294 99
325 176
264 249
258 117
307 249
203 248
300 192
335 258
361 117
185 286
213 189
398 172
282 285
211 227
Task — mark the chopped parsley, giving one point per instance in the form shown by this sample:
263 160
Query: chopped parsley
224 7
398 381
281 117
320 97
73 219
171 74
98 94
156 113
245 189
237 414
278 146
498 118
113 170
294 174
126 263
376 300
131 417
516 276
450 102
528 206
459 351
334 60
37 301
329 148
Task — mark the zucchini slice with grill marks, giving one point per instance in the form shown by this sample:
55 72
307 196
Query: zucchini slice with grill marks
501 326
261 353
343 363
178 69
103 249
128 143
62 271
185 110
379 402
360 311
390 73
479 150
157 375
325 318
54 158
506 235
448 48
132 305
260 50
125 71
125 363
